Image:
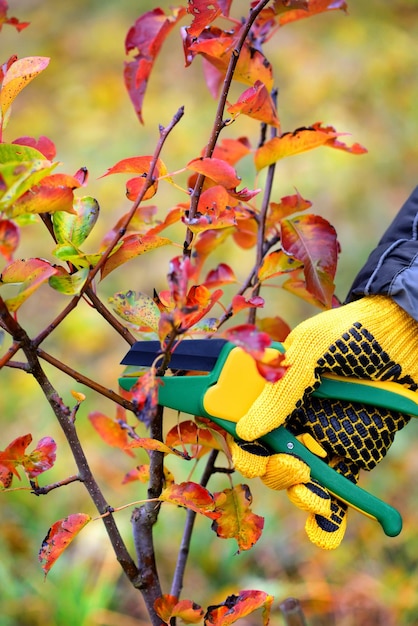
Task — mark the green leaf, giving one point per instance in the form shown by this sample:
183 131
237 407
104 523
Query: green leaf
136 308
75 227
21 167
69 284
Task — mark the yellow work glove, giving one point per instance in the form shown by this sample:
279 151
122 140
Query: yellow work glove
372 338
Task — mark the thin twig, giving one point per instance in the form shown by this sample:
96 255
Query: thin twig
219 122
178 578
88 382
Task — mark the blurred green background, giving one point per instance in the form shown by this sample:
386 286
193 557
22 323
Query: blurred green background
358 72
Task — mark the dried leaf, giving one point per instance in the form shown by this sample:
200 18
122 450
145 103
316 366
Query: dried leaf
59 537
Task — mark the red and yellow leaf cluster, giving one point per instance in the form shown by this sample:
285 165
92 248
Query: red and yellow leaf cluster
41 459
230 510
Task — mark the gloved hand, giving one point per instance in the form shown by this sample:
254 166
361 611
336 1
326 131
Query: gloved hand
370 338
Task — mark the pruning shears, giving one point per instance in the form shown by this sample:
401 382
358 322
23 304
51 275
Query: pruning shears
232 383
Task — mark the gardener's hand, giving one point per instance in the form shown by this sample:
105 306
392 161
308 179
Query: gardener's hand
371 338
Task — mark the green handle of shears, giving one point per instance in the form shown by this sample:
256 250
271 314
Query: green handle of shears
281 440
186 394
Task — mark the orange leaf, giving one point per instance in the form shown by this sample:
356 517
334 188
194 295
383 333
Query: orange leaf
151 444
140 472
277 263
132 246
313 8
238 606
286 206
217 170
59 537
168 607
191 496
14 454
245 235
188 432
313 241
301 140
232 150
257 103
111 431
235 519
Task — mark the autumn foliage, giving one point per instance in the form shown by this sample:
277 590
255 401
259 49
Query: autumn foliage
291 247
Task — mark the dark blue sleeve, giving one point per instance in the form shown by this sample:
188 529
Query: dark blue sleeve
392 267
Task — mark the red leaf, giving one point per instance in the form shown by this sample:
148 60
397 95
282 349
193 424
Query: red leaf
168 607
204 13
44 145
59 537
238 606
312 240
9 238
249 339
257 103
191 496
240 302
235 519
222 275
42 458
146 36
12 21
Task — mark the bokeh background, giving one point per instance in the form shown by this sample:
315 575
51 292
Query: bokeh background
358 72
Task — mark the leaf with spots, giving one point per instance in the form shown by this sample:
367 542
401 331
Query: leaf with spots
137 308
235 519
59 537
18 75
238 606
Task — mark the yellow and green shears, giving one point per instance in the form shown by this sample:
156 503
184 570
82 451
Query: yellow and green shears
232 383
